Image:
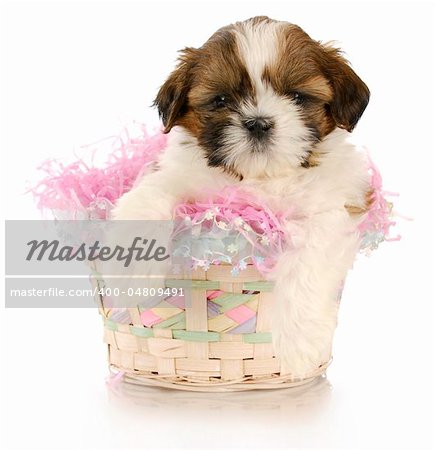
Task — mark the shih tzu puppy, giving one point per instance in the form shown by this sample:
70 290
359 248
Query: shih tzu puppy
263 106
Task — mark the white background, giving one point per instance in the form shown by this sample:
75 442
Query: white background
72 73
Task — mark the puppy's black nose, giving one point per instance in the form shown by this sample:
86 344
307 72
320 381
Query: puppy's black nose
258 126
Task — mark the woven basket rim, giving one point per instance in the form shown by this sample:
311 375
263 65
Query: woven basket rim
269 382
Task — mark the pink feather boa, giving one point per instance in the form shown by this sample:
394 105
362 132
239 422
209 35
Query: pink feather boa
84 190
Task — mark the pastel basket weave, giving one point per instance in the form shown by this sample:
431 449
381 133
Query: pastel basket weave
198 347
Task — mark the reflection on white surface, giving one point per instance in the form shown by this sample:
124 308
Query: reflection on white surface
296 417
288 404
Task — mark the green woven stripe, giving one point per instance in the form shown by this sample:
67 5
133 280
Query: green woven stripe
197 336
192 284
110 325
262 286
177 319
229 301
142 331
181 325
257 338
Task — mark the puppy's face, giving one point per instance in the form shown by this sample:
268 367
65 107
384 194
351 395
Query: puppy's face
259 95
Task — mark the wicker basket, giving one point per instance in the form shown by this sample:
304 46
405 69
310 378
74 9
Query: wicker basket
186 352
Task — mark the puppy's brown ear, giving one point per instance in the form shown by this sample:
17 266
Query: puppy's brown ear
171 100
351 95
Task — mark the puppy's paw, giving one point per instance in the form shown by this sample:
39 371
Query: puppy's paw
298 366
302 360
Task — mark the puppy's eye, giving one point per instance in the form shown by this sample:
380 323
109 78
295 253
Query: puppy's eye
220 101
299 98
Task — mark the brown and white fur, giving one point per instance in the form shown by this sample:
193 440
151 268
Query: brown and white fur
263 106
